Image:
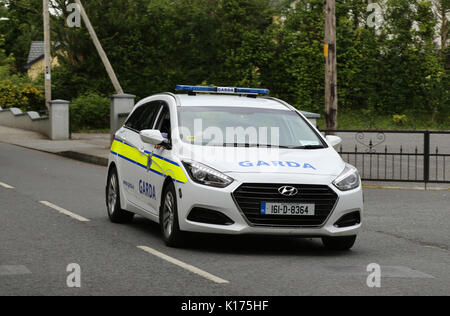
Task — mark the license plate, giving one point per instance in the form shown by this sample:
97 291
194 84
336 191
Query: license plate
287 209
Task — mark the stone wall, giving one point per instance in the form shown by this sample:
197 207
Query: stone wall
55 126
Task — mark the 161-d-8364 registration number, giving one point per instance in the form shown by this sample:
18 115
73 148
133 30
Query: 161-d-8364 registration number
287 209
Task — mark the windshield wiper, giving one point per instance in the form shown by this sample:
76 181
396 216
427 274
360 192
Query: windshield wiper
272 146
247 145
309 147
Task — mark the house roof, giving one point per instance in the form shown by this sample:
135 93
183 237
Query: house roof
36 53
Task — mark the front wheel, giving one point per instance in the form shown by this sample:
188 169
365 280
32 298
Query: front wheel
170 228
115 213
339 243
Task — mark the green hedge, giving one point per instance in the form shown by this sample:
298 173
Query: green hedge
89 112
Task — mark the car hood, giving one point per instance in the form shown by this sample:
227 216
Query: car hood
266 160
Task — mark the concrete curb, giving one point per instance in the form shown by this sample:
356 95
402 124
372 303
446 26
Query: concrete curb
84 158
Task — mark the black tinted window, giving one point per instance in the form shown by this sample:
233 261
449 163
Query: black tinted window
144 116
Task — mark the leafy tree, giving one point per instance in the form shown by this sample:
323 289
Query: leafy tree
6 62
24 25
400 67
155 44
295 69
409 55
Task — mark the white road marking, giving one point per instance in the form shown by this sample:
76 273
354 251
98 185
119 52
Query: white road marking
183 265
6 186
14 270
64 211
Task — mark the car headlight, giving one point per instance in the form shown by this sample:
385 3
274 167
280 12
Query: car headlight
348 180
207 176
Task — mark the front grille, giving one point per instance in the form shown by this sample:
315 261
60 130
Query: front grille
249 197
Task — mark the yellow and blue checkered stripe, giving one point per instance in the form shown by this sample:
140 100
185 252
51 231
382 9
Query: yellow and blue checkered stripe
160 165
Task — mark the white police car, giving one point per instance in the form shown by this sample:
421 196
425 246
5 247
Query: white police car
231 162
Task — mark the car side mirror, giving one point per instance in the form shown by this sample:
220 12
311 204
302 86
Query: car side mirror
152 137
334 140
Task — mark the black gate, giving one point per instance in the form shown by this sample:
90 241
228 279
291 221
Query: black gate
397 156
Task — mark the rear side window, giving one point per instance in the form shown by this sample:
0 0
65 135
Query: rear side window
144 116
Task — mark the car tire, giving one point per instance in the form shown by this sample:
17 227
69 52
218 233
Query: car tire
168 218
115 213
339 243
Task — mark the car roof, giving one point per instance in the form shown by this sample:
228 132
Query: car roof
229 100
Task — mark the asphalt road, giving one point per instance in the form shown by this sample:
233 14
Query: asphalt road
406 232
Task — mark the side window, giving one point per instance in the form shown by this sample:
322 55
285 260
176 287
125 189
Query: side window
163 123
149 115
144 116
132 121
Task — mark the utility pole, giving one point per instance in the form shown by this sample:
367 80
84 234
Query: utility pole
101 52
331 98
48 66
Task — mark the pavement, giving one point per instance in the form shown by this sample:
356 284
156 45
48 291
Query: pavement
405 232
92 148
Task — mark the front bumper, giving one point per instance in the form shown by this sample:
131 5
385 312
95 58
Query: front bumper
222 200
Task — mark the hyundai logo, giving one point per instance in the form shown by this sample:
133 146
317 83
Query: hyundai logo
288 191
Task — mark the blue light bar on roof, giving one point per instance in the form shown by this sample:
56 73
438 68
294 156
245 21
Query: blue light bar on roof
222 90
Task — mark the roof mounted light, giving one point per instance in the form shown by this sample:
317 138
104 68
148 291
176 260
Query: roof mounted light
226 90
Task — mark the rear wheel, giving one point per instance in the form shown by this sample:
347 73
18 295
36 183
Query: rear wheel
339 243
115 213
168 218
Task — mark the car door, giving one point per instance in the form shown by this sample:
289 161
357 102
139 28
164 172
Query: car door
134 159
153 181
122 147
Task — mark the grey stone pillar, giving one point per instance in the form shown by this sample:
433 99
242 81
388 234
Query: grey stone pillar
121 105
59 120
312 117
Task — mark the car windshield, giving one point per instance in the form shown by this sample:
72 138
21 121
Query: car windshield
246 127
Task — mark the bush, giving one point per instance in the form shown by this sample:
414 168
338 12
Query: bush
68 84
89 111
400 119
25 96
